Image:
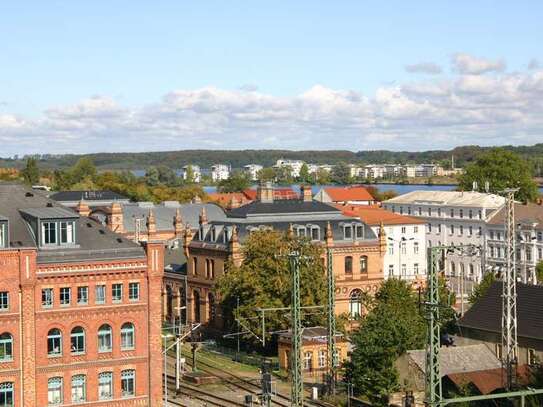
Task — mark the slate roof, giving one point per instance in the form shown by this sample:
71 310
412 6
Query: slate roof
459 359
316 334
374 215
93 241
486 313
63 196
524 213
278 194
175 260
449 198
286 206
165 213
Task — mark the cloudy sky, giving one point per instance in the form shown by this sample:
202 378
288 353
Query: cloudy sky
139 76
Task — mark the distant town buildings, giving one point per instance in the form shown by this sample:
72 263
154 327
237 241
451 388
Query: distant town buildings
220 172
80 321
294 165
194 171
252 170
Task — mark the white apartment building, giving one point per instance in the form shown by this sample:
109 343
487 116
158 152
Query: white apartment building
252 170
356 171
294 165
374 171
196 172
220 172
405 257
393 170
529 243
452 218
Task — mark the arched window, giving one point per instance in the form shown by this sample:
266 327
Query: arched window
471 270
54 342
196 305
54 391
169 302
77 340
462 270
6 394
105 386
453 269
127 336
363 264
79 388
348 265
104 338
6 348
211 306
355 303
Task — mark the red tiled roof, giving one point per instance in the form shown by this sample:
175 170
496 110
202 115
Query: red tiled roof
226 197
278 193
487 381
375 215
351 193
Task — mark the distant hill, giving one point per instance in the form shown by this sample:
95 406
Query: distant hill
239 158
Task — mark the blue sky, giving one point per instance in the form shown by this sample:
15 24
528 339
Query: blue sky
135 54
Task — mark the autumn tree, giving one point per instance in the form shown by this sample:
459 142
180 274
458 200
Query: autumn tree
237 182
264 279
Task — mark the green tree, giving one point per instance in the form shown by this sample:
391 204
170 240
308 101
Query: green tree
152 177
341 174
237 182
304 177
392 326
83 168
539 272
167 176
480 289
189 175
263 280
266 174
501 169
283 175
323 176
31 173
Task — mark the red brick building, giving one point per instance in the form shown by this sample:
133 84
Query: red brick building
79 322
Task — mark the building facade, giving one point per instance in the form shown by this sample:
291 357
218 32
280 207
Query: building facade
78 321
196 173
352 195
252 170
529 243
405 257
357 252
220 172
452 218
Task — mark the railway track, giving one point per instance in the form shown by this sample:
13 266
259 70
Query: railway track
211 399
249 386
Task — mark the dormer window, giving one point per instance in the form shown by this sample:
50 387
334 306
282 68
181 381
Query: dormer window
301 231
348 232
213 234
4 241
359 231
315 233
55 232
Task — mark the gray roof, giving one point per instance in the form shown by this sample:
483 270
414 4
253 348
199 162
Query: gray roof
62 196
486 313
54 212
93 241
165 213
283 206
449 198
459 359
175 260
527 214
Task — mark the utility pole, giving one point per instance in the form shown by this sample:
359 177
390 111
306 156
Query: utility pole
266 383
297 385
433 376
332 356
509 295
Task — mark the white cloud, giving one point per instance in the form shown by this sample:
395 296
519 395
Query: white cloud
471 65
464 109
424 67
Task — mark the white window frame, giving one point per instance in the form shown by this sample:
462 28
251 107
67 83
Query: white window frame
79 388
47 297
62 294
55 338
78 338
134 290
83 299
105 386
4 301
8 392
6 345
55 390
105 339
114 297
102 289
128 375
128 336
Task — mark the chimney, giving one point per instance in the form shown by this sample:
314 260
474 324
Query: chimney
307 194
151 224
203 216
115 219
264 192
178 223
82 208
329 235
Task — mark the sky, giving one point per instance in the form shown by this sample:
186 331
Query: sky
106 76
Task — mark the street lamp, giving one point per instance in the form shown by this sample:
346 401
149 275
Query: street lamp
400 242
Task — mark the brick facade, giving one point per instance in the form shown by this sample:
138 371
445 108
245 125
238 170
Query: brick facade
29 321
